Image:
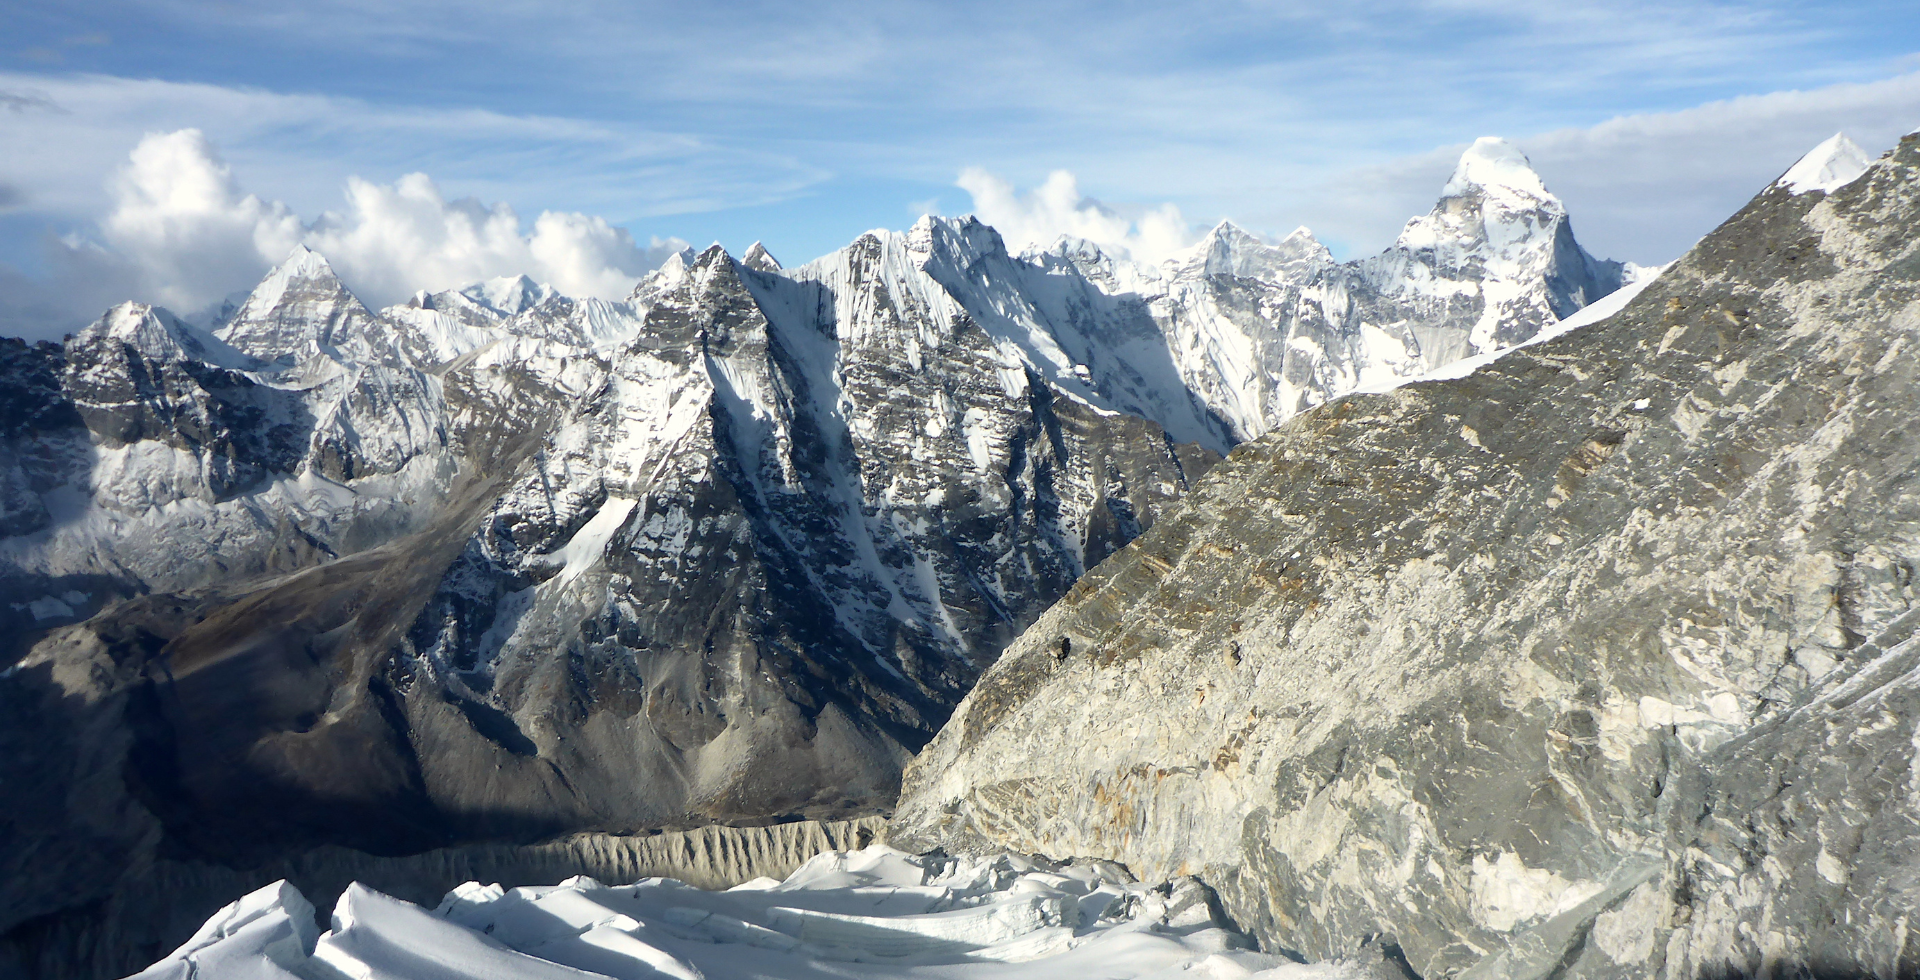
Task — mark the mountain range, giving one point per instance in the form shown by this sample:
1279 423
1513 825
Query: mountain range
502 564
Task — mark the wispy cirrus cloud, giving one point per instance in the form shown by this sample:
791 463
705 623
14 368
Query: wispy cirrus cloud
69 132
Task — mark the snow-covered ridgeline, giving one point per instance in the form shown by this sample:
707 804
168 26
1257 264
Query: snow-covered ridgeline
1833 164
1260 332
1214 346
872 913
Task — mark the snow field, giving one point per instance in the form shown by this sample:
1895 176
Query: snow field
871 913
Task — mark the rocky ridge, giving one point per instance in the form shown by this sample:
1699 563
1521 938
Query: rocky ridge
1596 661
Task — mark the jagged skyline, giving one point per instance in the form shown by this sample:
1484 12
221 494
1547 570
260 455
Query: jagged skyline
805 127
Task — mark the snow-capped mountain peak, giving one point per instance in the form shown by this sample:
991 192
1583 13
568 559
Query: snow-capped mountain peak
664 278
301 265
1498 240
508 295
157 334
1302 236
1827 167
1493 165
301 308
303 261
1495 208
758 257
1231 251
958 242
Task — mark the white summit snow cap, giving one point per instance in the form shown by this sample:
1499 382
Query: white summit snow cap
1827 167
510 294
1301 243
758 257
1492 162
303 263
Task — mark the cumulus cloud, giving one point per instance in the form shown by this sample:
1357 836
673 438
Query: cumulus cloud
182 233
393 239
1056 208
184 230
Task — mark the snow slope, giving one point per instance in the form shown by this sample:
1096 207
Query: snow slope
871 913
1605 307
1833 164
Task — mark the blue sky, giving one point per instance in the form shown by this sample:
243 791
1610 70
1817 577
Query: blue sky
803 124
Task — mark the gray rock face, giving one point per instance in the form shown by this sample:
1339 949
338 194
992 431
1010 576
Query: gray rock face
1594 662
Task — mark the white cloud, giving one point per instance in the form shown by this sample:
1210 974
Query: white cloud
183 234
182 227
397 238
1057 208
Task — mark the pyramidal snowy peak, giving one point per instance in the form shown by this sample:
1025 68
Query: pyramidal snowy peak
1498 240
156 332
1833 164
300 310
759 259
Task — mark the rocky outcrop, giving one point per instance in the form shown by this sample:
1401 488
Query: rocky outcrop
137 925
1593 662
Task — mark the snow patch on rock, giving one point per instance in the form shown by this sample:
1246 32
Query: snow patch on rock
1833 164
